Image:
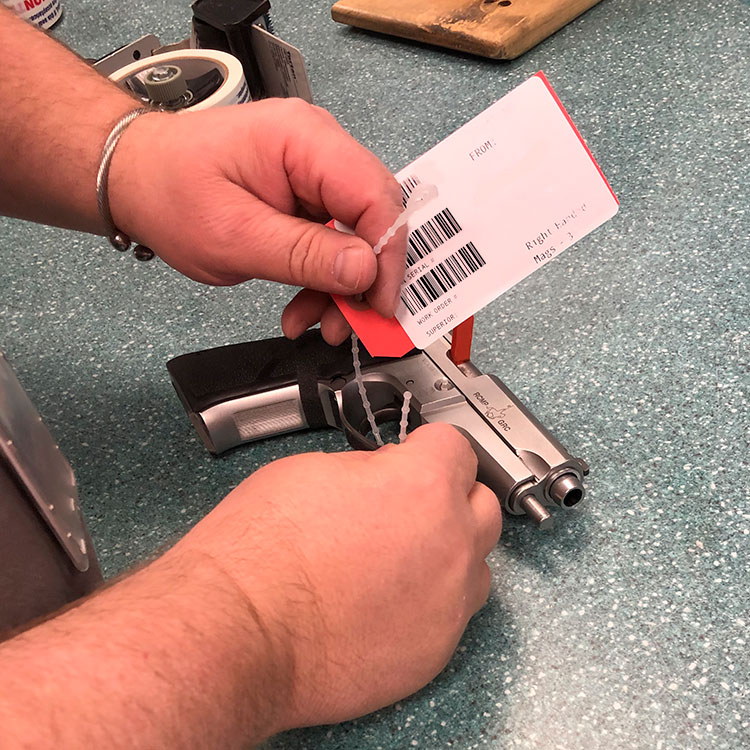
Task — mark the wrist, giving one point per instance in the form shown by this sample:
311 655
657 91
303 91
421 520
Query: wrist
246 651
130 178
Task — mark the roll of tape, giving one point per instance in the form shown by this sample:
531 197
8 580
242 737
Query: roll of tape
195 63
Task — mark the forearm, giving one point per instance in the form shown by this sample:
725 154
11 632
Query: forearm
173 656
55 114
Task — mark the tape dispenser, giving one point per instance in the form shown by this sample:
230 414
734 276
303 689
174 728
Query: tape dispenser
231 56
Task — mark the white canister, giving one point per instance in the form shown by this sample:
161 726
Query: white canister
42 13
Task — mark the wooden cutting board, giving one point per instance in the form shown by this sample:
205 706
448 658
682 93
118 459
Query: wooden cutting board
500 29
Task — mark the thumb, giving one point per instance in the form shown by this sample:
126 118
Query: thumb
284 248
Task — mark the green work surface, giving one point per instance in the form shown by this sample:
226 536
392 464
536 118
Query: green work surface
626 625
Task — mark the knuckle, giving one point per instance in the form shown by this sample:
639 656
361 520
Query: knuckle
324 114
455 451
297 107
453 550
464 554
287 115
381 183
439 431
489 499
459 444
497 517
489 517
302 256
478 588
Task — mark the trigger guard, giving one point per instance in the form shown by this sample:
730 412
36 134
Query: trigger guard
357 440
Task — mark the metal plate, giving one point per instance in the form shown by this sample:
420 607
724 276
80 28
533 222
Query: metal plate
140 48
32 454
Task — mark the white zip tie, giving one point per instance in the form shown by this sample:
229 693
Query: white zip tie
363 393
421 195
404 417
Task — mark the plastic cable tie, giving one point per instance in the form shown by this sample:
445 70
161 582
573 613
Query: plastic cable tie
417 199
404 417
362 392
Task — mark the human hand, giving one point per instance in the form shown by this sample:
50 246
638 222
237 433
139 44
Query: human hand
235 193
364 568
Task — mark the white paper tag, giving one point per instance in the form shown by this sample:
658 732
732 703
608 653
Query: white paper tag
516 186
281 65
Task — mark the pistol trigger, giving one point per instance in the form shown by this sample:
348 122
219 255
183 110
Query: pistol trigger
357 440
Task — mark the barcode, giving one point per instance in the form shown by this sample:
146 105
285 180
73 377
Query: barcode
430 235
444 276
407 187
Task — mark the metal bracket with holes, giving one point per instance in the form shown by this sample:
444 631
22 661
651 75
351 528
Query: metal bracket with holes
37 462
144 47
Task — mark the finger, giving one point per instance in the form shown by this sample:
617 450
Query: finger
488 516
447 451
312 213
333 326
291 250
329 169
303 312
330 172
310 161
479 588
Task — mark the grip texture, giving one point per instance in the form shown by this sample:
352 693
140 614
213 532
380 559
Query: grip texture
206 378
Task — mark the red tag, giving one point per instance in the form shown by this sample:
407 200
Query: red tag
461 341
382 337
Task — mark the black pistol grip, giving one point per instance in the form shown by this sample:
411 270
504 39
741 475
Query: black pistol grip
206 378
243 392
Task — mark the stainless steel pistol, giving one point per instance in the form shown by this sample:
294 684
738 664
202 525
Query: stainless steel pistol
243 392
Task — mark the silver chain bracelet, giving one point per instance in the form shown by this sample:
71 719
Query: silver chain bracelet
118 239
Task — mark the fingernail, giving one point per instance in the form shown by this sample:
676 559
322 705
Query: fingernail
348 266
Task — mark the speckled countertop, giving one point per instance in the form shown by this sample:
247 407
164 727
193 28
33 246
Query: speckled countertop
627 625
